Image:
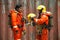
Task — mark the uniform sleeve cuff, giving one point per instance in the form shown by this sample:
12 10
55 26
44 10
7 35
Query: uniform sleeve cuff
14 26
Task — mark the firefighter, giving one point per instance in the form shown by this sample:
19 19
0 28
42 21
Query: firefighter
42 23
30 24
31 15
17 22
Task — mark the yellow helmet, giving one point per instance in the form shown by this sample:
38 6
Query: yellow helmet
40 7
31 15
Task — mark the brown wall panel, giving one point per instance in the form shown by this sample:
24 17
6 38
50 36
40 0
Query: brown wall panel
58 20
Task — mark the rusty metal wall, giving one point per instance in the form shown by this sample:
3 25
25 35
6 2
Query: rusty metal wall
28 6
59 19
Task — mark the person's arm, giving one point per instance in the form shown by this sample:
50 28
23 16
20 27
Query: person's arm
24 28
13 19
42 20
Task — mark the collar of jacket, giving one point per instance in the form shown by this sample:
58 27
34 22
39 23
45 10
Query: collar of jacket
16 11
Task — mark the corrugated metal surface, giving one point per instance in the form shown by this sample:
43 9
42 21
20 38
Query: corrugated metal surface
59 19
28 6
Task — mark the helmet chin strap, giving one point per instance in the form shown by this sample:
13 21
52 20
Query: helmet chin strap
40 11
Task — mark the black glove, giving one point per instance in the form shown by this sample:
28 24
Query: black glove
26 21
11 26
49 27
32 18
50 17
34 23
23 19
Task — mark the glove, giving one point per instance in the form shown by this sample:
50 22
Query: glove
24 32
10 26
34 23
32 18
23 19
50 17
26 21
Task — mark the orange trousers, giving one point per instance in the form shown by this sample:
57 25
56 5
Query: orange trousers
44 35
17 33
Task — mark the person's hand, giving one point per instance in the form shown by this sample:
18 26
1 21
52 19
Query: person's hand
32 18
23 19
24 32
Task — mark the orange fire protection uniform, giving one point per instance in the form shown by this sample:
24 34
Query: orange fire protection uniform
43 20
16 20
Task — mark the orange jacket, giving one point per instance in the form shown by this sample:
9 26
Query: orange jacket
16 18
43 19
